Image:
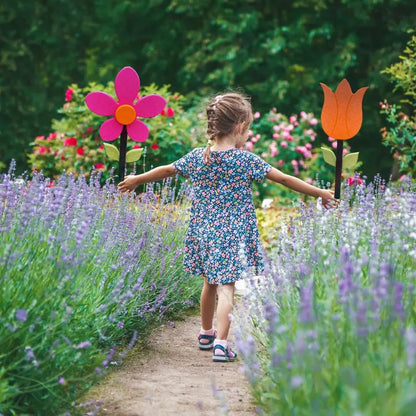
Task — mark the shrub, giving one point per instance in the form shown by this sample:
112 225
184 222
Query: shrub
74 146
331 327
289 144
400 133
84 272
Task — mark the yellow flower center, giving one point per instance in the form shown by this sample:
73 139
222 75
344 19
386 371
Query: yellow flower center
125 114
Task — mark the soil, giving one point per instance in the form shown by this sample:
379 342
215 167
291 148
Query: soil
171 376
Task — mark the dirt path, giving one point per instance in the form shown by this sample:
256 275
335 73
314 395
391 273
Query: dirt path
173 377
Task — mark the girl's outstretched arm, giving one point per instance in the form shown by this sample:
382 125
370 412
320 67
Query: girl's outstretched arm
131 182
301 186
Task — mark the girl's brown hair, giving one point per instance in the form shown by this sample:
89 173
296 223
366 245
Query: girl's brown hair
224 113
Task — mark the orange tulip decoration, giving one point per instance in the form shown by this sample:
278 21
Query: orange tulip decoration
341 119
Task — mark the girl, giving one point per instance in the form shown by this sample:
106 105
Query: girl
223 228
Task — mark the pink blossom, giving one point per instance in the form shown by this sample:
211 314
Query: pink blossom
294 162
52 136
273 151
70 141
290 127
276 128
308 146
264 154
281 162
256 115
313 122
351 180
258 136
309 181
250 133
292 119
99 166
402 178
331 139
303 115
41 149
68 94
276 135
283 144
254 139
249 146
344 152
334 145
80 151
170 112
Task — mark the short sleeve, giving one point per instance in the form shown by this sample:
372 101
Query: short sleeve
258 168
185 164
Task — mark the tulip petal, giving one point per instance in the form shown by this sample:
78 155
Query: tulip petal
101 103
355 112
138 131
110 130
329 112
150 106
127 85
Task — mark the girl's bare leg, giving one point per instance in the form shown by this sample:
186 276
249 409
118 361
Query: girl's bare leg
208 300
224 308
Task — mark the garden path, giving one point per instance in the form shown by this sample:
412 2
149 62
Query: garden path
173 377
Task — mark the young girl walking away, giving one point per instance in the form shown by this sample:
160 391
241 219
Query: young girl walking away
223 223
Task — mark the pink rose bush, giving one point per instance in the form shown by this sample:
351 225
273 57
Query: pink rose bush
75 146
290 144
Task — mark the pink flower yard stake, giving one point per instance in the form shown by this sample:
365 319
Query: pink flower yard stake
125 112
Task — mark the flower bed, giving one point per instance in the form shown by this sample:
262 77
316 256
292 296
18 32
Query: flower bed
84 274
331 328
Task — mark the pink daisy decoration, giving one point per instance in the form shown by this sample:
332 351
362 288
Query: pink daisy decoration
126 110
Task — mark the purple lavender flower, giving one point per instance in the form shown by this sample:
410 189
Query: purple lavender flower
21 315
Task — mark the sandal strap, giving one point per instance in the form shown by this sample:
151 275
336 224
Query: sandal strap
209 337
228 352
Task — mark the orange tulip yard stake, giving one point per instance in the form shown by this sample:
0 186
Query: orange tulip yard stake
341 119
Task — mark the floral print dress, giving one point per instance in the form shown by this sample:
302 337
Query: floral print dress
222 238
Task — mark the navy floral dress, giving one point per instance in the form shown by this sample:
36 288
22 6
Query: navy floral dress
223 224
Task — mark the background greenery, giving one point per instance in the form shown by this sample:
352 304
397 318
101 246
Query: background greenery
277 51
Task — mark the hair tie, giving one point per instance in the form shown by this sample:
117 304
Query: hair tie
211 143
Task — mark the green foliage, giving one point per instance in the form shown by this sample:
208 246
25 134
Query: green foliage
277 51
400 133
75 145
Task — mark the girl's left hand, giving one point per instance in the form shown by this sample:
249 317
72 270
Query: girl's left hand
129 184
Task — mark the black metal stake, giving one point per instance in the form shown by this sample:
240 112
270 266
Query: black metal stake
122 160
338 169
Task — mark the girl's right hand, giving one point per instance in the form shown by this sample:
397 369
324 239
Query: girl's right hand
129 184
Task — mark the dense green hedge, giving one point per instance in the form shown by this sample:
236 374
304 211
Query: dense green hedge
277 51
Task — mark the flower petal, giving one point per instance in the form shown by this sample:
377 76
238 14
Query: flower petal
150 106
329 112
101 103
110 130
127 85
355 112
138 131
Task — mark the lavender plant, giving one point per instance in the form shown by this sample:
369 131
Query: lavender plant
331 327
84 272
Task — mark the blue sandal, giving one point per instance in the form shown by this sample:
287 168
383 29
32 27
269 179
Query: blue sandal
228 356
206 345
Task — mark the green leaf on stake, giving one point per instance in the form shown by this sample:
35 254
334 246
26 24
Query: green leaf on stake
112 151
350 160
329 156
133 155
